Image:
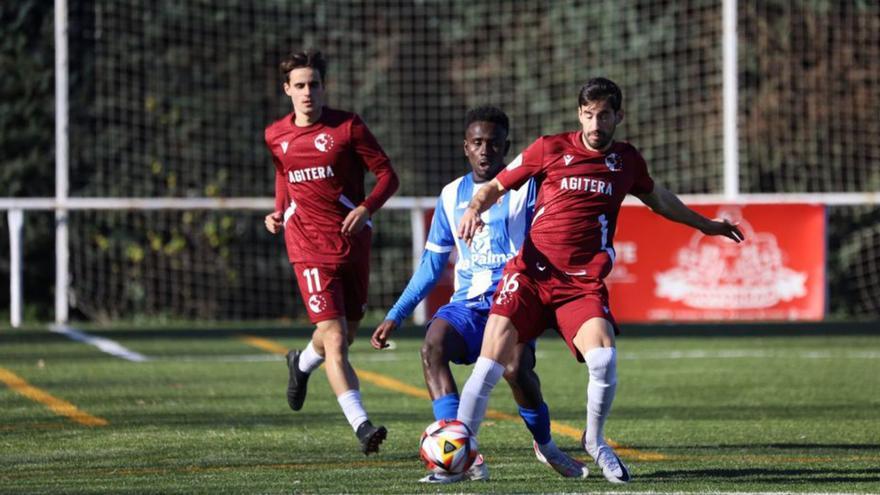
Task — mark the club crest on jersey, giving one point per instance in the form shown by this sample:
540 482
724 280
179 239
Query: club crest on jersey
317 303
568 159
324 142
284 145
614 162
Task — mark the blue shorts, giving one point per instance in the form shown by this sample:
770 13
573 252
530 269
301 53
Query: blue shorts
468 318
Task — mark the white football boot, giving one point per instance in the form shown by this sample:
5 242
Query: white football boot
613 468
564 464
478 471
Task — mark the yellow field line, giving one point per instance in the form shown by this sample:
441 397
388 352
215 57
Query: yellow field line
264 344
58 406
389 383
392 384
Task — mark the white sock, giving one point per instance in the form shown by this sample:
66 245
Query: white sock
602 364
475 394
353 408
309 359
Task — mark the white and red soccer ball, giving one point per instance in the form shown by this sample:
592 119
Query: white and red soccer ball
448 447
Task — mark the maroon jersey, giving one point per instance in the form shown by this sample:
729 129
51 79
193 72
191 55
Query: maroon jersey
319 179
578 201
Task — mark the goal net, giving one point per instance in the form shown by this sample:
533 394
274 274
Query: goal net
169 99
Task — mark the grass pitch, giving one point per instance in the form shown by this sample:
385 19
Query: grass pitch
207 414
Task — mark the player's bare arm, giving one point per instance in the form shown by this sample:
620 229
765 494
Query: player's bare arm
667 204
379 340
355 220
273 222
485 197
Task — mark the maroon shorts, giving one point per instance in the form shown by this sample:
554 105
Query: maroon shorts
331 291
535 300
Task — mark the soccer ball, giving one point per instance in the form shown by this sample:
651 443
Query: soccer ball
448 447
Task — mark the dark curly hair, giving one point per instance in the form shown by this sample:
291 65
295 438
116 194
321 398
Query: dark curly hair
488 113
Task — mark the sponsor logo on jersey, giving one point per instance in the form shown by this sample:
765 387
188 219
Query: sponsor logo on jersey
568 159
480 253
614 162
462 205
713 272
284 145
324 142
585 184
317 303
311 173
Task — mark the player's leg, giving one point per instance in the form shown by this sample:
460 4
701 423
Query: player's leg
442 342
497 352
312 281
301 364
516 315
354 282
454 335
526 387
596 343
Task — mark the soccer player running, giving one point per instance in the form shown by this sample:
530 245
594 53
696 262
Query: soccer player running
558 274
455 332
320 156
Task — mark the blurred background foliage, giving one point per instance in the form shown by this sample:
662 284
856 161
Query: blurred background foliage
169 99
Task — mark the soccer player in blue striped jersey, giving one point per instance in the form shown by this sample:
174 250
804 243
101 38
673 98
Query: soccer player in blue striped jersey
455 333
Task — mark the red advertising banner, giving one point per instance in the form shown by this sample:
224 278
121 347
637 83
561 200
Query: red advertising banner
665 271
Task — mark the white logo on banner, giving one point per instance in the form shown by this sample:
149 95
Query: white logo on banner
713 272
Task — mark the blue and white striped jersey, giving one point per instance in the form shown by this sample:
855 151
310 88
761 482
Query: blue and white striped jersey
478 268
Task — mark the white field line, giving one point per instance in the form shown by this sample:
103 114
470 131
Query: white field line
105 345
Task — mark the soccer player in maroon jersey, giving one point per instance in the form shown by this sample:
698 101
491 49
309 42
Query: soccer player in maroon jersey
559 271
320 156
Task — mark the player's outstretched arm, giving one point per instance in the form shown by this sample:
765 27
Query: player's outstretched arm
427 275
485 197
664 202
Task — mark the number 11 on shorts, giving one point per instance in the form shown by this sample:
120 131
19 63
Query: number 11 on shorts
312 280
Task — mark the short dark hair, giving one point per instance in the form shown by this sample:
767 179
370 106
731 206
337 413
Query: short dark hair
306 58
488 113
600 88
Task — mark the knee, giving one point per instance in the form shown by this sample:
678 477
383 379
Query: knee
513 373
602 365
432 353
334 344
